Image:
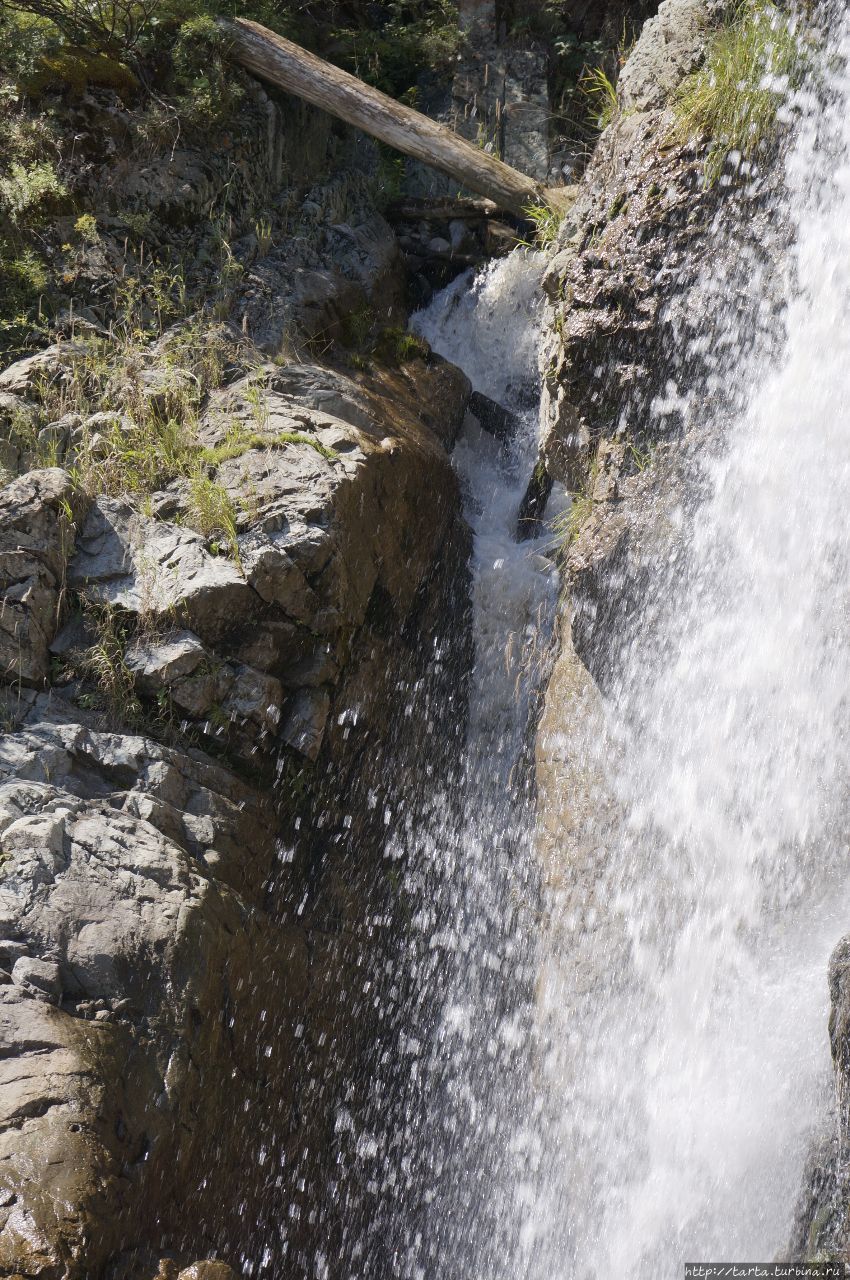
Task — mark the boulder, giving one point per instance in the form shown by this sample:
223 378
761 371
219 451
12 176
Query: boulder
158 664
670 46
27 377
151 568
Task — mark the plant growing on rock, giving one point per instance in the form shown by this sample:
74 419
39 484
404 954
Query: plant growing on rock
734 98
546 223
212 511
601 93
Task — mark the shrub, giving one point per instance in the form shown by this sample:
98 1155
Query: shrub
409 36
100 26
25 189
734 98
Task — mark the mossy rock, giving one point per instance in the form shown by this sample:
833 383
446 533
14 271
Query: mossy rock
73 71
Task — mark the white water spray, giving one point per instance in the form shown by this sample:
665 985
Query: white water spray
677 1065
687 1074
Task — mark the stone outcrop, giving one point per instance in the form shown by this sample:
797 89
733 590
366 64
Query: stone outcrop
183 920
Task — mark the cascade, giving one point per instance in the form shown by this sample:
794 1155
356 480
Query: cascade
625 1067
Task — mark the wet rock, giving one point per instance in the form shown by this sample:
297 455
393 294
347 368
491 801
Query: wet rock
305 717
532 508
208 1271
439 247
492 417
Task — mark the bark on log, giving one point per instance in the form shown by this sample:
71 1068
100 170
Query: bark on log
288 66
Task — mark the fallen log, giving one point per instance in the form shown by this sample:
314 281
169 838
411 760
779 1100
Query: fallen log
286 65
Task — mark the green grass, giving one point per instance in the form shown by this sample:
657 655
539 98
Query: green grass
546 223
567 527
733 100
601 93
212 510
238 443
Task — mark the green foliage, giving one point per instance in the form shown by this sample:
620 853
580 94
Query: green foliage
546 223
25 38
99 26
25 190
568 526
402 39
212 511
390 175
207 92
239 441
601 93
103 663
397 346
23 280
734 98
86 228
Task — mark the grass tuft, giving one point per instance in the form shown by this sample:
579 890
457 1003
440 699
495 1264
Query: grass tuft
546 223
601 92
734 98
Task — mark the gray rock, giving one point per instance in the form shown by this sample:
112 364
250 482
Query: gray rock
25 377
42 976
304 722
147 566
156 664
670 46
38 516
254 696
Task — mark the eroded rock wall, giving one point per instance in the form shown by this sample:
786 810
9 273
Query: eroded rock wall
188 940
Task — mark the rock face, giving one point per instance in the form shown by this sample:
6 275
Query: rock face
629 296
182 937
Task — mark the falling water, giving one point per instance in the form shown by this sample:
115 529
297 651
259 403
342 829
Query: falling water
684 1006
624 1070
475 880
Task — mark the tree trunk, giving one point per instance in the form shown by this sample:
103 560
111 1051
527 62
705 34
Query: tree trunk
289 67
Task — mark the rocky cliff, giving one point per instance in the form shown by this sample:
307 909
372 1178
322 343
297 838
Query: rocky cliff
215 652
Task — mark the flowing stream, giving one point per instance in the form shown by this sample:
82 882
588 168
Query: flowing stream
626 1069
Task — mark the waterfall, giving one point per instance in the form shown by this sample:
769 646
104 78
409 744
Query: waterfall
684 1003
620 1063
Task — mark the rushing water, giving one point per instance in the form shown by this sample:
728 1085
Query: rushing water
657 1100
625 1070
687 1073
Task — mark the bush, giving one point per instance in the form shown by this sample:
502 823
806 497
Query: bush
735 97
100 26
24 189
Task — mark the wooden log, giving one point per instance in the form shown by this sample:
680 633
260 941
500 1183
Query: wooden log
289 67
